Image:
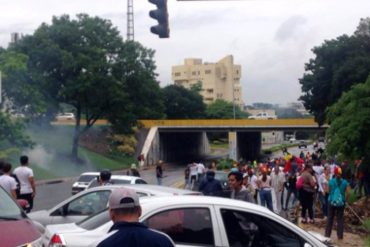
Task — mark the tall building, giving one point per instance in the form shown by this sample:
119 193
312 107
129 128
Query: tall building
220 80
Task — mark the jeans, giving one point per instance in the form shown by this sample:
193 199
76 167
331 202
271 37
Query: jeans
291 191
159 180
266 198
324 203
339 212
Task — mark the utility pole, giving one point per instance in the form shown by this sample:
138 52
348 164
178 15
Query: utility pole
130 20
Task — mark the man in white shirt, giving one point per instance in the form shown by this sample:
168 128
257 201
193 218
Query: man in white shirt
277 183
8 182
200 172
25 177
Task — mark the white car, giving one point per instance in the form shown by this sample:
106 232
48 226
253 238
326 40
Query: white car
262 115
83 181
118 179
94 200
65 116
195 221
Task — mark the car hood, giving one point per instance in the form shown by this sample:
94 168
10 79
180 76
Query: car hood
18 232
41 216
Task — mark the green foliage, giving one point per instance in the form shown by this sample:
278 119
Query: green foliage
182 103
224 164
349 119
12 135
221 109
338 64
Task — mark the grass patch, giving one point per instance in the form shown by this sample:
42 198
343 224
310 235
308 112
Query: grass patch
216 145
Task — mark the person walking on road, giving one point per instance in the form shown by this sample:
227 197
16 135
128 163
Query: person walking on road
133 171
238 191
277 183
27 182
104 178
307 193
210 186
338 196
7 182
264 185
125 211
159 172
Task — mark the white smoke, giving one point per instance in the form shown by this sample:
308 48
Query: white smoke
39 156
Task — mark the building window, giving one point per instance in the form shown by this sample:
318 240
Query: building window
193 73
210 90
208 71
177 74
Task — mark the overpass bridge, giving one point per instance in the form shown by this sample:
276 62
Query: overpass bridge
174 140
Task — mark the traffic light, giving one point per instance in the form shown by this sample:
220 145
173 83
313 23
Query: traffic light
161 15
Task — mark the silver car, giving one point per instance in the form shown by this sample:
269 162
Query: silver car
195 221
83 181
92 201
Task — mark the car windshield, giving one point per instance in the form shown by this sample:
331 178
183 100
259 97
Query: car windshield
221 176
8 208
95 220
86 178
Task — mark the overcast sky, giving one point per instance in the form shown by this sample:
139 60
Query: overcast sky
270 39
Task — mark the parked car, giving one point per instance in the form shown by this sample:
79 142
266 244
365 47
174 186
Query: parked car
16 229
65 116
302 144
119 179
94 200
262 115
83 181
195 221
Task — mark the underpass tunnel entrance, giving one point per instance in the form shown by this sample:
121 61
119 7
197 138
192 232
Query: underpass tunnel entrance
249 145
182 146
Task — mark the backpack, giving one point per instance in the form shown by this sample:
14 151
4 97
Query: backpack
336 198
299 183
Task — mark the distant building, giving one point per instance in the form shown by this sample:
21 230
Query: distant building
220 80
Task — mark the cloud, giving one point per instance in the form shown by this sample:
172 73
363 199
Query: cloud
291 28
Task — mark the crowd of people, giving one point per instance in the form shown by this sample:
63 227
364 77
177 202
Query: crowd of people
288 182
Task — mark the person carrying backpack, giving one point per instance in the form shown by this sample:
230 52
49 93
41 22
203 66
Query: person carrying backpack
338 195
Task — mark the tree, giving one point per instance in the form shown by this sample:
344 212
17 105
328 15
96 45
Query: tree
338 64
84 63
182 103
221 109
19 93
12 135
135 69
349 119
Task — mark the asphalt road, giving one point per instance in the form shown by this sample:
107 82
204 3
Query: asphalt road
50 193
